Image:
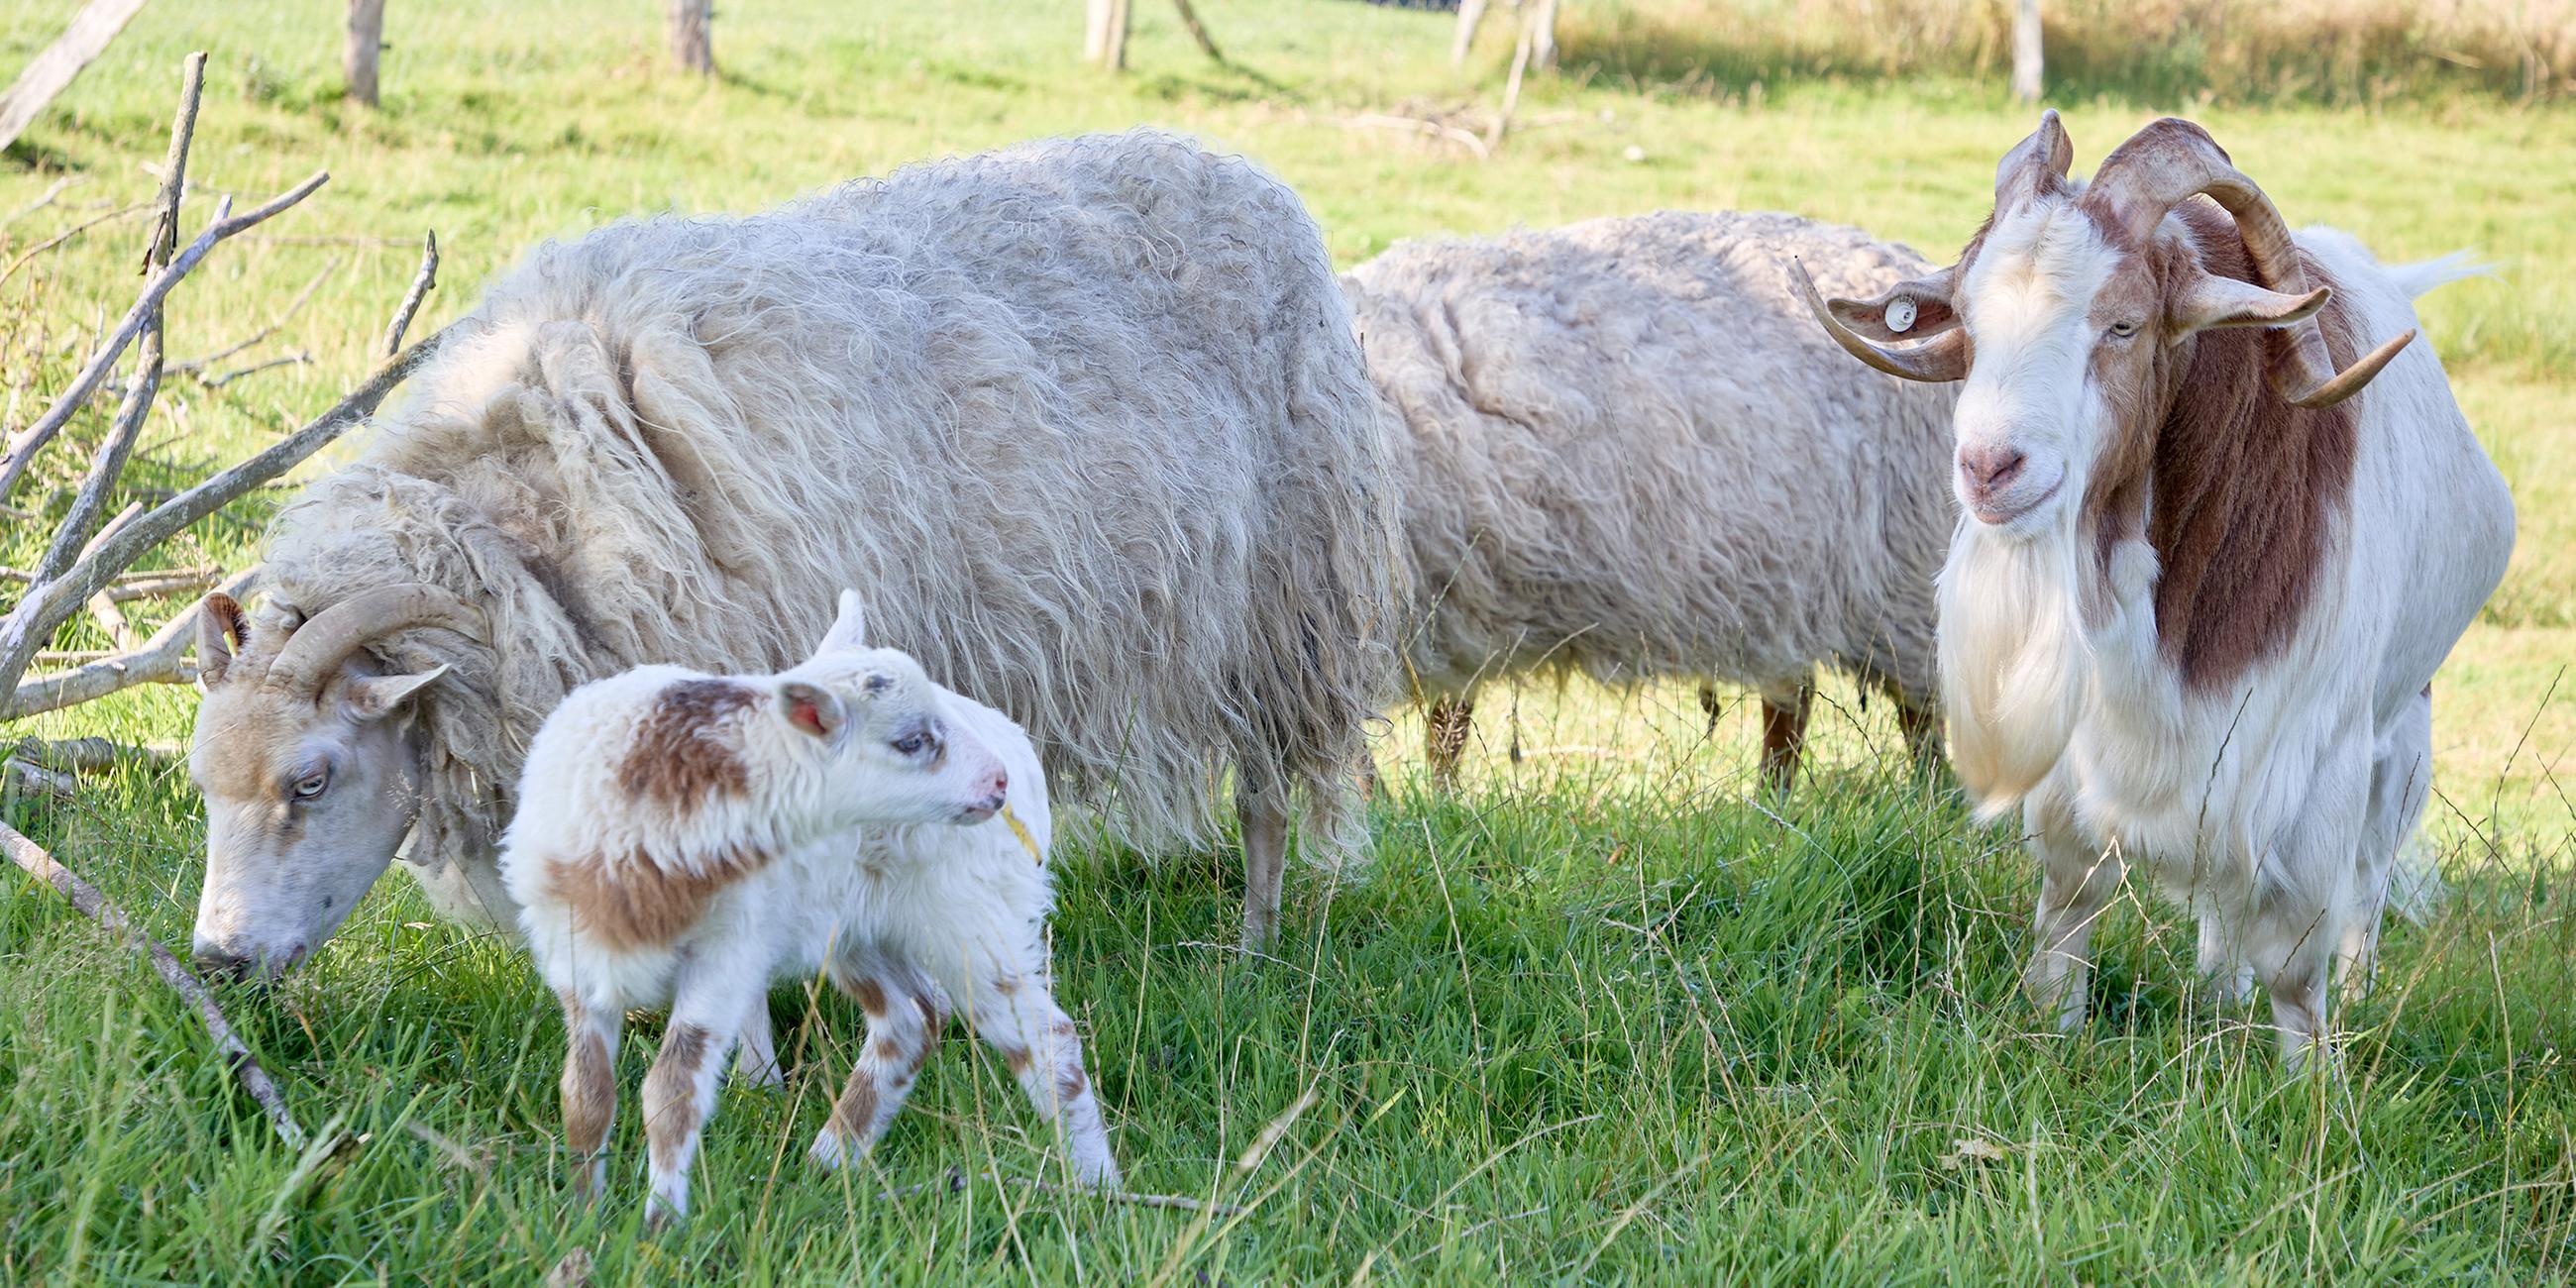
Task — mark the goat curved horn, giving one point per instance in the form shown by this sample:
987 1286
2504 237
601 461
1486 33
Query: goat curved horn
313 654
1944 358
2040 161
2170 162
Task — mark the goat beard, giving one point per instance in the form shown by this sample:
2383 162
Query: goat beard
2013 659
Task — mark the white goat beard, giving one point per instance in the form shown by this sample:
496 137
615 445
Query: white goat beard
2013 660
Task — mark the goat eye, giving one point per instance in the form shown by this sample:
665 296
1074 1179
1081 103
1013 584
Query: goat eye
911 744
2124 329
312 784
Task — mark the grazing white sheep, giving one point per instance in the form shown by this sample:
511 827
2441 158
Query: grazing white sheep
1626 453
2223 521
684 839
1086 415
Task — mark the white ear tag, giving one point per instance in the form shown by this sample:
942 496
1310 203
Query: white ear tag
1900 313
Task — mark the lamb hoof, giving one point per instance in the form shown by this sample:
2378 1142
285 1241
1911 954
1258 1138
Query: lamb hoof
827 1152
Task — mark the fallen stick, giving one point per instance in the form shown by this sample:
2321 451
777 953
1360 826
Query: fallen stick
295 359
67 234
32 858
19 776
955 1183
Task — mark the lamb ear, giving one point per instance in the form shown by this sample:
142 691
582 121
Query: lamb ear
849 629
378 696
810 710
221 628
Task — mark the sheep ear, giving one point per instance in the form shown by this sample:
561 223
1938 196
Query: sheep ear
221 628
849 628
376 697
810 710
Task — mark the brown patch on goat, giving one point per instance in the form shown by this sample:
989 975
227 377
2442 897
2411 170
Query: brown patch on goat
1070 1082
1019 1058
671 1093
2235 488
641 903
679 757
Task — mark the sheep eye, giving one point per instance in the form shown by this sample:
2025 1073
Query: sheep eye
312 784
911 744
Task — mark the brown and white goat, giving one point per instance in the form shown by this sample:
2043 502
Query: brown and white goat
2214 546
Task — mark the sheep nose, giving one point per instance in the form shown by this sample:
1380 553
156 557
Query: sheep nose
220 964
1989 468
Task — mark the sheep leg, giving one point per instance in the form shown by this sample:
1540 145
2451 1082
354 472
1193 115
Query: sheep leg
905 1016
1784 732
1015 1012
1920 726
1446 726
589 1089
680 1090
2076 883
755 1062
1265 864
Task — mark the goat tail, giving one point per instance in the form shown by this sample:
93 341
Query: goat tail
2423 277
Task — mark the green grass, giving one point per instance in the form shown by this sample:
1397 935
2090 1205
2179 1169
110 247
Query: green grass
1598 1017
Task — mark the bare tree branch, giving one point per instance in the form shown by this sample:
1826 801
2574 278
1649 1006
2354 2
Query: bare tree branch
163 659
45 607
67 234
420 287
33 859
25 445
197 366
52 69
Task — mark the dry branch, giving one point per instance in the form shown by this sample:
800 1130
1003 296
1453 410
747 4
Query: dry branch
25 445
67 234
295 359
197 366
53 69
52 190
33 859
163 659
421 283
1198 31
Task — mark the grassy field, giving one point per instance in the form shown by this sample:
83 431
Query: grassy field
1598 1017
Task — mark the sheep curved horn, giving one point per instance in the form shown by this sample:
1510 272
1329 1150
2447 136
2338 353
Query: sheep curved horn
314 653
2172 161
1943 358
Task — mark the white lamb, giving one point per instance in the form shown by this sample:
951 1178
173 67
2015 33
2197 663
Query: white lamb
684 839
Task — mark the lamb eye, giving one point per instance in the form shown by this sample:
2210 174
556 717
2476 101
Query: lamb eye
911 744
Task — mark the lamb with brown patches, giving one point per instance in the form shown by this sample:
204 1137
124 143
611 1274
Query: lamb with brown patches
2222 522
684 839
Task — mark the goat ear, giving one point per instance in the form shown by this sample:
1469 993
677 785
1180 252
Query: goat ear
221 628
810 710
1914 309
849 627
2213 301
378 696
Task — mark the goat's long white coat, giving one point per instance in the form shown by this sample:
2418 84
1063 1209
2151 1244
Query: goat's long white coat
2274 805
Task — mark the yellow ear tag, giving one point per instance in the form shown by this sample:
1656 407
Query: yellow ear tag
1021 830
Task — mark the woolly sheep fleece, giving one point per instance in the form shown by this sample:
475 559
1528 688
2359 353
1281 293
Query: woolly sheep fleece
1083 419
1629 452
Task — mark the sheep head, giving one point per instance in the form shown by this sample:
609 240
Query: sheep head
305 754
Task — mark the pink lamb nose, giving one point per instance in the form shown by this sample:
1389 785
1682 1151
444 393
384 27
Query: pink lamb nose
1989 468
